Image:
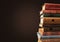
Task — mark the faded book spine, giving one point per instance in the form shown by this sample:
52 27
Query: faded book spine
50 11
50 6
46 33
51 33
49 40
49 21
51 29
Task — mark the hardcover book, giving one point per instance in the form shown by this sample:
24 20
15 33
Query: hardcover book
50 11
50 15
49 21
51 29
49 26
50 6
47 33
49 38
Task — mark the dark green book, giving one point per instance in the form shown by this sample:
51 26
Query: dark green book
51 29
50 15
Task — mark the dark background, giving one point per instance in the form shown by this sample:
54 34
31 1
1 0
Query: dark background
20 19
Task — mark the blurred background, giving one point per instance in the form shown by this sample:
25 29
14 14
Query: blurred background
20 19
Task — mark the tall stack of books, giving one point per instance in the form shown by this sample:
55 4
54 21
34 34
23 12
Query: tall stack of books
49 30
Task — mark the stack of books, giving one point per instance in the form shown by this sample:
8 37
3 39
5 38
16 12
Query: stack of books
49 30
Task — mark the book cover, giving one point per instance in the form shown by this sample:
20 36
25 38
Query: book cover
47 33
49 38
51 33
51 29
49 21
50 11
51 6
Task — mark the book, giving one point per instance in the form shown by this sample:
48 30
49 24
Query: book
49 21
51 29
49 12
49 40
47 33
51 6
51 33
50 15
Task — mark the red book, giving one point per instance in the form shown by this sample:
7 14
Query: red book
49 11
50 6
51 33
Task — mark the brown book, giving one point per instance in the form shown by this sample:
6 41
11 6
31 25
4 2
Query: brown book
48 40
51 33
51 29
49 11
50 6
42 32
49 21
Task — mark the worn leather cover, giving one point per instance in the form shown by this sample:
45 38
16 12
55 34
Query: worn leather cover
49 11
51 29
42 32
51 33
49 21
50 6
49 40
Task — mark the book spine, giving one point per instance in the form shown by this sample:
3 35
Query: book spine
42 32
51 33
51 20
50 40
50 15
49 11
51 6
52 29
